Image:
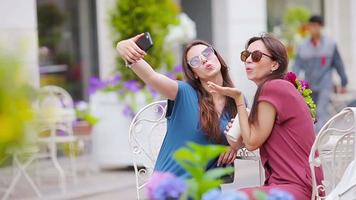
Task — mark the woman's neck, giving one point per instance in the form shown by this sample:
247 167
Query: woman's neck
218 99
216 79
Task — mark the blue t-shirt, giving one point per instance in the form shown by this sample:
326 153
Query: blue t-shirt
183 125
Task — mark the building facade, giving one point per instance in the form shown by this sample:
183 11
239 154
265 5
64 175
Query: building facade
86 47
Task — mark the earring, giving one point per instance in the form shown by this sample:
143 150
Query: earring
271 71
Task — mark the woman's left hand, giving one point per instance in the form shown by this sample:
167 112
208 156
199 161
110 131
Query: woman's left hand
227 157
226 91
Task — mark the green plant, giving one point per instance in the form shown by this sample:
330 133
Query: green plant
294 25
83 113
15 106
129 18
50 21
194 159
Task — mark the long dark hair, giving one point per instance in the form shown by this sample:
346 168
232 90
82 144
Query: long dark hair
209 118
279 54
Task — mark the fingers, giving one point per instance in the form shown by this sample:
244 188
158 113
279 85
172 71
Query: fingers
137 49
212 85
135 38
232 157
129 51
228 126
220 158
227 157
223 158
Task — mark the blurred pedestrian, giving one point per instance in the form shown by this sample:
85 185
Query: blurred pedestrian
317 56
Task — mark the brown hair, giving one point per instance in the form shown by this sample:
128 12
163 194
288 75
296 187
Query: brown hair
279 54
209 119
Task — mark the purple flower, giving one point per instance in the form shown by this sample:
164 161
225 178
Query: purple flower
212 194
277 194
61 133
128 112
132 85
305 84
114 81
95 84
291 76
153 92
170 188
178 69
165 186
216 194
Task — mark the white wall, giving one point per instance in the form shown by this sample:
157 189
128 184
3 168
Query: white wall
105 44
352 67
340 23
234 22
18 34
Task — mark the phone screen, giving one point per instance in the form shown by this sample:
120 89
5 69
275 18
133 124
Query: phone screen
145 42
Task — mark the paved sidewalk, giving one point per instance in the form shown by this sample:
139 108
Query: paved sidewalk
102 184
89 183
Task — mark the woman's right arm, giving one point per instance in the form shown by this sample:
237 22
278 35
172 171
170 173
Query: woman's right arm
129 51
256 133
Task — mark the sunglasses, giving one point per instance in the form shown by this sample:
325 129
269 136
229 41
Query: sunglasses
196 61
255 55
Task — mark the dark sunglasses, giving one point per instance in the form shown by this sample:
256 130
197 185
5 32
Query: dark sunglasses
255 55
196 60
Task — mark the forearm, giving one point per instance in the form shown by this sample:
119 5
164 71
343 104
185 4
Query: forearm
339 65
238 144
144 71
245 127
164 85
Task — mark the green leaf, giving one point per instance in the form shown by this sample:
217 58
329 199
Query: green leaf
193 188
195 171
205 186
260 195
185 154
217 173
205 153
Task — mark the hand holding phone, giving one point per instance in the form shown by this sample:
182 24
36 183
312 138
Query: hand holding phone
145 42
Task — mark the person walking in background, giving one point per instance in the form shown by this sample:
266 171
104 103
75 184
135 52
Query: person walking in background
280 123
195 115
317 56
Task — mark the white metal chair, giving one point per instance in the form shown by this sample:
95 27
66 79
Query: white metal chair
346 188
335 145
146 134
28 154
55 126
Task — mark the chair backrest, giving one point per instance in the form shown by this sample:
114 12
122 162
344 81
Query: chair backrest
54 103
54 109
333 150
146 134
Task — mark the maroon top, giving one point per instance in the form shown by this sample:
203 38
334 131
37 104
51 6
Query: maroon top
285 153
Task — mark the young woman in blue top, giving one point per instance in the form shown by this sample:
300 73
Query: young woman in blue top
197 115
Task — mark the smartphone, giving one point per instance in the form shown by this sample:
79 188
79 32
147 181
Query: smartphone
145 42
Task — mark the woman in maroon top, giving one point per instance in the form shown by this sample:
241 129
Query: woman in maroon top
280 123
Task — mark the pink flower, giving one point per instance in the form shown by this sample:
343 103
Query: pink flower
165 186
291 77
305 84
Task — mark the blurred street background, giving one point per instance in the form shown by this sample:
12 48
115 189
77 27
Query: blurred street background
71 44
